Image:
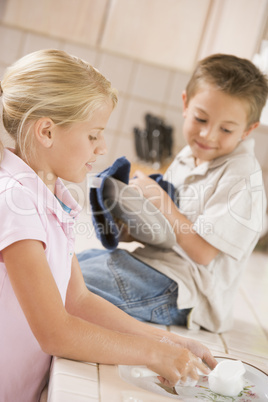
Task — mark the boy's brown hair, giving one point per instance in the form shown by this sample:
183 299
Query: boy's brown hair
234 76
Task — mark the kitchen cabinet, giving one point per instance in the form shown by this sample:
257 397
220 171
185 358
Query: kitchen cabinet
75 20
176 33
166 33
235 26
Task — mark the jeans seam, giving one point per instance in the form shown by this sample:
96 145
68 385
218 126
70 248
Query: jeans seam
119 282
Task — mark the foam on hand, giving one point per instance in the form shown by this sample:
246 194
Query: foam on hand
227 378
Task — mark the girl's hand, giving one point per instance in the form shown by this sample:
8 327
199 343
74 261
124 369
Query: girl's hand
195 347
201 351
176 363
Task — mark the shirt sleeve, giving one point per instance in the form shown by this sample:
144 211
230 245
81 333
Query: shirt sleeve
233 216
19 217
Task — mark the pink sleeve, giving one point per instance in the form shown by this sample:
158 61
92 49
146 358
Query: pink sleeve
19 217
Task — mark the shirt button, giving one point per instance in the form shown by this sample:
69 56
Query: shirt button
191 179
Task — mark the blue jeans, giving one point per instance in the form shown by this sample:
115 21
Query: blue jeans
133 286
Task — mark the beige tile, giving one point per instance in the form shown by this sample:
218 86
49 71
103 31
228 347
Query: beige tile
261 146
114 122
125 147
117 69
179 82
35 42
83 52
246 335
150 82
135 114
10 42
175 119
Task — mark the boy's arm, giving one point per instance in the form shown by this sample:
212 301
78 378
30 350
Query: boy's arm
198 249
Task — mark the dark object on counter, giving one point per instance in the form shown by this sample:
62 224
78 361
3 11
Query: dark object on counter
154 143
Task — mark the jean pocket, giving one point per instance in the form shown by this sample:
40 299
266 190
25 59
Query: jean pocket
161 315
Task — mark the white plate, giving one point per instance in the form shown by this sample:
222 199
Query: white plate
144 221
256 388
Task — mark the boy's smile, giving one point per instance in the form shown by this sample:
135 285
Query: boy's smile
215 123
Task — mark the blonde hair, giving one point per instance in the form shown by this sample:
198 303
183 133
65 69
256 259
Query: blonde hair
235 76
50 83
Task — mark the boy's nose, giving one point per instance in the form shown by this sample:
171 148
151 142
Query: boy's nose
208 133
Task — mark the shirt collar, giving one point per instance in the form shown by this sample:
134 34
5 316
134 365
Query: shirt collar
22 173
186 157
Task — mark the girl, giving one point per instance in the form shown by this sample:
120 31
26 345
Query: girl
56 107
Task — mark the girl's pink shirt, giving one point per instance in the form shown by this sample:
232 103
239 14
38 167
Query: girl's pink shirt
29 210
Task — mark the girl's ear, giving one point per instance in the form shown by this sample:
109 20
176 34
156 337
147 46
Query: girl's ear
251 128
43 131
184 102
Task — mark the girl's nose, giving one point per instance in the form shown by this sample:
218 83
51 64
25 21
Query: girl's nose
101 148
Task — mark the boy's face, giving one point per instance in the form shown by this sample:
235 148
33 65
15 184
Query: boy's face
214 123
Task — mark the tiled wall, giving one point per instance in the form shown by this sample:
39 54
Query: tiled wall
142 88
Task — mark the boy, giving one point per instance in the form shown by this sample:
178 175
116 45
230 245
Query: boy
221 206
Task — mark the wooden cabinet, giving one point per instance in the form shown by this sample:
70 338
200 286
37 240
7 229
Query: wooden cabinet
163 32
168 33
74 20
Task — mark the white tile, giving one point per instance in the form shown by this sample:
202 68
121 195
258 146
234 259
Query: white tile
10 42
150 82
75 369
73 385
35 42
83 52
117 69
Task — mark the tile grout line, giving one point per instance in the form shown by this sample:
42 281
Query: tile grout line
253 311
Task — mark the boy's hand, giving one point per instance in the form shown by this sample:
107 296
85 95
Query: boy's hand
148 187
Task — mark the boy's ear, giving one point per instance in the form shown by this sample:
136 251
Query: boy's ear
184 102
43 131
251 128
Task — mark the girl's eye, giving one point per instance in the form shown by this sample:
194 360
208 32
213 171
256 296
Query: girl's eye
92 138
200 120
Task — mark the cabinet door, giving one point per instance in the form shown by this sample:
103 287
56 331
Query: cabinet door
74 20
235 27
164 32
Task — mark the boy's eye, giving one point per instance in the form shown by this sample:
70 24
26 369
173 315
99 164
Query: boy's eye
200 120
226 131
